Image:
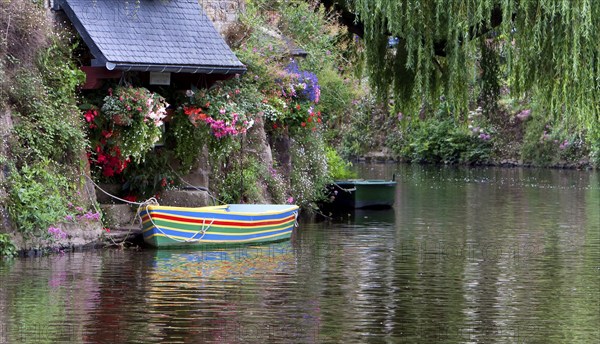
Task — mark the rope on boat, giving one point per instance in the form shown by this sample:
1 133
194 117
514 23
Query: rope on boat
153 201
139 204
145 205
345 190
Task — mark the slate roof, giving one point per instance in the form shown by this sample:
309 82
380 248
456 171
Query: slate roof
154 35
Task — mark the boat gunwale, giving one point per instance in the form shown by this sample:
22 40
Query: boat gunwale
366 182
222 209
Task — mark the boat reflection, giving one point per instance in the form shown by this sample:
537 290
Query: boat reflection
364 216
223 263
204 296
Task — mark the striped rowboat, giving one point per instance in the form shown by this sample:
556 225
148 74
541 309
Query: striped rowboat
232 224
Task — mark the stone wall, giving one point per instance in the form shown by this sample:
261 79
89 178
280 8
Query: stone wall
223 12
6 126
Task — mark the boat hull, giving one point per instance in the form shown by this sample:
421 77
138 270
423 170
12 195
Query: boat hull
219 226
356 194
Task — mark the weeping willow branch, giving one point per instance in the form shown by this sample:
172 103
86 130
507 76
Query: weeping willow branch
550 48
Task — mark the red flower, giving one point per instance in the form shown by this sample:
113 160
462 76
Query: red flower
89 116
303 124
108 171
102 158
163 182
297 106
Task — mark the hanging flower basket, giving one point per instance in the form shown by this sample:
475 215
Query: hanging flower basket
122 120
137 116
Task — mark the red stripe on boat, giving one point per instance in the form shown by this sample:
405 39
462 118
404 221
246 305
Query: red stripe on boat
217 222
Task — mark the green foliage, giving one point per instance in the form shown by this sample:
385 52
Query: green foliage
150 177
550 49
545 144
240 180
337 94
44 100
359 127
49 137
338 168
444 141
38 198
186 140
442 138
7 248
593 139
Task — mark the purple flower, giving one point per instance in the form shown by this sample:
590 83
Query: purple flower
523 115
307 82
564 145
91 216
57 233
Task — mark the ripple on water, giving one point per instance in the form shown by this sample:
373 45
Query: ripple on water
482 255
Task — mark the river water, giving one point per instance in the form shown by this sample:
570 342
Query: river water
485 255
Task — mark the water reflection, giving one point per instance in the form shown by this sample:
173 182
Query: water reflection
466 256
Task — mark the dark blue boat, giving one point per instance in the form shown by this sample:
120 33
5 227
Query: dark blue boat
360 193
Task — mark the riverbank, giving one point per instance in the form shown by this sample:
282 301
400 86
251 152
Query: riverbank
379 158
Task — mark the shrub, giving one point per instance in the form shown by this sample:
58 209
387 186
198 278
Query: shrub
7 248
442 141
337 167
38 198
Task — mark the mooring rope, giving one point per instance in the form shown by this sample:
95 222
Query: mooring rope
154 201
345 190
111 195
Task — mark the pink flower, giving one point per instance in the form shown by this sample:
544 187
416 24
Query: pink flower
89 116
290 200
